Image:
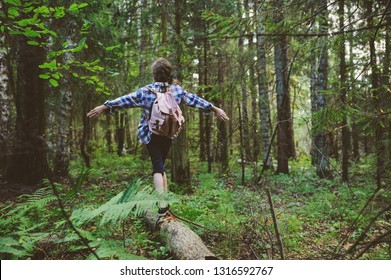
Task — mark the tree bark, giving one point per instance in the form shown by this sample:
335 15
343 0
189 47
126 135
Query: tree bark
143 33
63 148
285 133
120 132
5 112
180 148
264 100
313 74
222 126
387 81
355 126
243 86
377 96
342 74
85 148
28 163
322 157
183 243
254 131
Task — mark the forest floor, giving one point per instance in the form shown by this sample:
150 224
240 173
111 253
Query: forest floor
316 219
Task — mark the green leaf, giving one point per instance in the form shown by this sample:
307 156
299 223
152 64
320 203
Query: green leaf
82 44
74 8
44 76
33 43
13 12
83 5
25 22
59 12
52 65
53 82
48 31
57 75
43 10
28 9
13 2
15 32
32 33
110 48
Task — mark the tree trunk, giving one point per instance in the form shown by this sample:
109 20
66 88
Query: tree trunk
243 86
222 126
254 132
180 148
322 156
387 82
63 149
5 112
355 126
208 120
120 132
28 163
313 75
109 134
342 74
143 34
264 101
85 148
201 113
377 96
284 133
183 243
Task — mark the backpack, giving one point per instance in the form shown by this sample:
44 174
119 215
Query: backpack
166 117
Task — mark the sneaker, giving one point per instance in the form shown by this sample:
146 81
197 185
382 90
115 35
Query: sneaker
162 213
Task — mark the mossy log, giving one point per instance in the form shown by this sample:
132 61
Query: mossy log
182 242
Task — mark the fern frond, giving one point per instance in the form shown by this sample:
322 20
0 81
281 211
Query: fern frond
135 199
10 248
131 190
20 213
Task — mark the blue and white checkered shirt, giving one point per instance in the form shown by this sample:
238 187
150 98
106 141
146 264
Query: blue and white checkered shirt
144 98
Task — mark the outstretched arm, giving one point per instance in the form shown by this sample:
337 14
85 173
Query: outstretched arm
94 113
193 100
220 114
127 101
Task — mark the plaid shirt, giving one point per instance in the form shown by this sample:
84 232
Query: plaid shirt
144 98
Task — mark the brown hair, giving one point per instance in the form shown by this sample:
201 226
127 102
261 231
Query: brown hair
161 70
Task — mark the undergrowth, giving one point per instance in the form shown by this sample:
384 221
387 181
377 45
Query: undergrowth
317 219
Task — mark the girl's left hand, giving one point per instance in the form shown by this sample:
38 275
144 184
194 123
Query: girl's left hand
220 114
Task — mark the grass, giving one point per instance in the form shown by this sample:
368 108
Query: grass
313 215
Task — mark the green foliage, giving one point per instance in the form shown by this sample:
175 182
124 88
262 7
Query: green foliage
34 21
21 224
135 200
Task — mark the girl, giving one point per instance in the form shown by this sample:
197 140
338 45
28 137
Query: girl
157 146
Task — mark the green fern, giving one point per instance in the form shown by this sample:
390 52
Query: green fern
22 214
11 249
135 199
23 224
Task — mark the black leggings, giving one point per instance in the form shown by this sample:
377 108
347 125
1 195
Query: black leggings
158 149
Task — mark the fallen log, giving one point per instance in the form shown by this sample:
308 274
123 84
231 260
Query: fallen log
182 242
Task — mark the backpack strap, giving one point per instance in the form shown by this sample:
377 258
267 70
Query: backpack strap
152 90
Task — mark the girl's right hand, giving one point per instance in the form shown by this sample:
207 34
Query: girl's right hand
94 113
